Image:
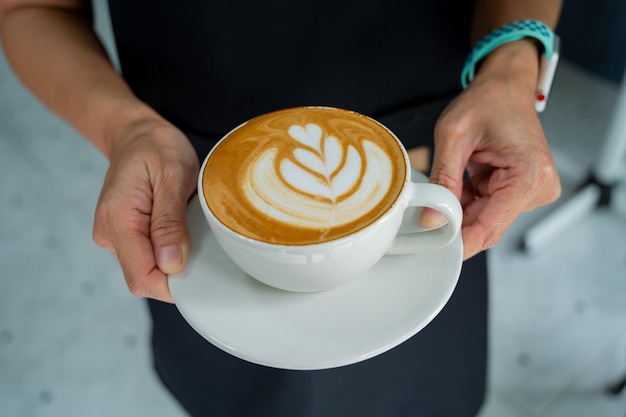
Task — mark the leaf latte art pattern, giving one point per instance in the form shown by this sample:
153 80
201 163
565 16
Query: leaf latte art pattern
321 182
304 175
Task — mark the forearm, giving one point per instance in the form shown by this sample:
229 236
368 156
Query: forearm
491 14
56 54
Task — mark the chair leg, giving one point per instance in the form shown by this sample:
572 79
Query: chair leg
618 387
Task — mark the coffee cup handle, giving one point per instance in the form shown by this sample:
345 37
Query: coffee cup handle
438 198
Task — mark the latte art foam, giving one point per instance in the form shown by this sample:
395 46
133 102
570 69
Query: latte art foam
323 184
303 175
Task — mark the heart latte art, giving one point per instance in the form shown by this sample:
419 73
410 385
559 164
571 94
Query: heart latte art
304 175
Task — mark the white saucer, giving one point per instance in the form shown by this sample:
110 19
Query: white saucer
364 318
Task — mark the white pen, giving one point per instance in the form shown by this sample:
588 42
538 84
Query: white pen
547 70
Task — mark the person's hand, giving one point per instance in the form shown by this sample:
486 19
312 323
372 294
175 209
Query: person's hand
141 212
492 133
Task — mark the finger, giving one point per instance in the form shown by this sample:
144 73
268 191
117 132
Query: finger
447 170
143 277
485 221
168 229
479 180
124 230
100 234
468 195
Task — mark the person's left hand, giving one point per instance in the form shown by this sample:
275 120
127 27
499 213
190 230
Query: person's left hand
492 133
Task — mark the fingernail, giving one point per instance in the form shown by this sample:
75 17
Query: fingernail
431 218
170 259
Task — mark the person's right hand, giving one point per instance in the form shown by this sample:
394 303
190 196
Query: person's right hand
141 212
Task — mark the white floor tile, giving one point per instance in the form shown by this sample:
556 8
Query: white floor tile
54 278
501 404
588 404
554 310
56 152
22 190
102 368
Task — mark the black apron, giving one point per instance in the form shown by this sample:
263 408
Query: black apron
209 65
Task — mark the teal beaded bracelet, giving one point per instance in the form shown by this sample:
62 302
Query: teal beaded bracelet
512 32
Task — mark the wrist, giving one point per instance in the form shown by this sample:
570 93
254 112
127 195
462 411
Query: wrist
510 54
121 117
515 63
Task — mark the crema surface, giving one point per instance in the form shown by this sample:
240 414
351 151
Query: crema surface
304 175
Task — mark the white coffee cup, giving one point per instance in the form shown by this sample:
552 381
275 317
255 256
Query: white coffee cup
316 266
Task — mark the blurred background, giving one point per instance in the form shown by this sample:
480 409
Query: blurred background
74 342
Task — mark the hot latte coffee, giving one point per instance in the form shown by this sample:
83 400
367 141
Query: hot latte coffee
304 175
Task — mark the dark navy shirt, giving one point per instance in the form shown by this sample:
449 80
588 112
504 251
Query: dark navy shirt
207 66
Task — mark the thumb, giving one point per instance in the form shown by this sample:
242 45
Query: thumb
168 231
447 170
